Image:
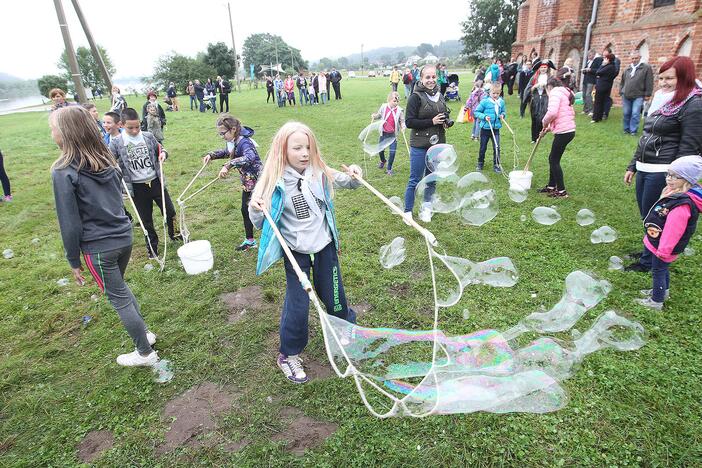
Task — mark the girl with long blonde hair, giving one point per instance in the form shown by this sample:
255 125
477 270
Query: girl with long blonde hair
88 194
296 187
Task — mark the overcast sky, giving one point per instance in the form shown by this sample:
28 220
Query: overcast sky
136 32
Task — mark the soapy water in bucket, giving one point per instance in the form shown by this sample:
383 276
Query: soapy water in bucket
520 180
196 257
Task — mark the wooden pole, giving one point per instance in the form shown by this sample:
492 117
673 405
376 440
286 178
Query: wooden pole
93 47
70 52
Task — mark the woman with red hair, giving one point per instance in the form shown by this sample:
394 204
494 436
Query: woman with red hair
603 86
672 129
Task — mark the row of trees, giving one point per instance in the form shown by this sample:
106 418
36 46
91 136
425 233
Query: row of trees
490 29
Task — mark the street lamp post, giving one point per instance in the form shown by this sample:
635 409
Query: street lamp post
361 58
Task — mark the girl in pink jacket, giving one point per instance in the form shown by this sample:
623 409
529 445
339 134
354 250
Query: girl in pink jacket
559 119
670 224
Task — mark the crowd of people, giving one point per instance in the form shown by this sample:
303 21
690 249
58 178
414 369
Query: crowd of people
123 152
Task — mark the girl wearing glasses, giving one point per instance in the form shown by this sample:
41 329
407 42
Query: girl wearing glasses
242 155
670 224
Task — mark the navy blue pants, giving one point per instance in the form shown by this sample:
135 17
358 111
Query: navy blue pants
485 136
649 186
326 278
660 275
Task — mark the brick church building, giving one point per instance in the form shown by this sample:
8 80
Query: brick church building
660 29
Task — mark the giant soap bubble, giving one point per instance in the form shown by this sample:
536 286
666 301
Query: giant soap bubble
442 159
373 140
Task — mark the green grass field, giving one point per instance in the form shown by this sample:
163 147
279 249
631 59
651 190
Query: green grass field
59 380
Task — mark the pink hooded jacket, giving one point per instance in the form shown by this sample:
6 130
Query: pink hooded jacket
675 226
560 114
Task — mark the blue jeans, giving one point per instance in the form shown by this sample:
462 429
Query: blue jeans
213 103
408 90
649 186
303 96
476 129
485 136
661 277
632 113
418 169
323 98
193 101
201 100
393 149
326 276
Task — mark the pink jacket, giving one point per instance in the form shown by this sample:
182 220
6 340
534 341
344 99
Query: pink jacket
675 226
560 114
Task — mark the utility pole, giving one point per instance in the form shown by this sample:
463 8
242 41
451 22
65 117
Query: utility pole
70 52
276 53
236 61
361 58
93 47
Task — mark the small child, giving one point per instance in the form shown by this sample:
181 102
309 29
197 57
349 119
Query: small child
112 123
289 87
90 107
296 186
88 194
490 111
140 157
310 90
242 155
671 223
393 122
472 102
153 122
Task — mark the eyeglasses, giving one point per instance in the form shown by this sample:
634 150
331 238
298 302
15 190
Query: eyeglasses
224 132
673 176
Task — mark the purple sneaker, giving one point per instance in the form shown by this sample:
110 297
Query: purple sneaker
292 368
381 164
389 172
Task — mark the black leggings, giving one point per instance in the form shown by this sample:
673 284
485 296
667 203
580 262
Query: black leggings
248 225
270 95
600 107
4 179
560 141
145 195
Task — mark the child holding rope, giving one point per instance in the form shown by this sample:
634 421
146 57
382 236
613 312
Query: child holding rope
670 224
242 154
140 157
88 194
297 187
490 112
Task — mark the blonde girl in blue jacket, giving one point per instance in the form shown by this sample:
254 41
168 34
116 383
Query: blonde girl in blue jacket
297 188
490 113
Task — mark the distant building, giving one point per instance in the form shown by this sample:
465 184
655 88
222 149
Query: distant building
412 59
660 29
430 58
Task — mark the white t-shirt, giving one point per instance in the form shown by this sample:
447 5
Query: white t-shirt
139 164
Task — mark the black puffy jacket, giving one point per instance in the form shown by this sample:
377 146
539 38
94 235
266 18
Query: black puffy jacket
666 138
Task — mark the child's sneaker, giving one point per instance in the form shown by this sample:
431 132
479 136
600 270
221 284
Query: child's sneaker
425 213
407 217
292 368
246 245
151 337
381 164
497 169
389 172
650 303
135 359
547 189
479 167
7 198
649 293
558 194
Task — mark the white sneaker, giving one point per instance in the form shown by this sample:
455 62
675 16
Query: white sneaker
650 303
425 213
135 359
407 217
649 293
151 337
292 368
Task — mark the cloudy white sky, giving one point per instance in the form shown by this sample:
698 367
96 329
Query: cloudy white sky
136 32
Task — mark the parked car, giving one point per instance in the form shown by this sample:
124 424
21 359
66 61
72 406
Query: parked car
352 74
386 72
371 74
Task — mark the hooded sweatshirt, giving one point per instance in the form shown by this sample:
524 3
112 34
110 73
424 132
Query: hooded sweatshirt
90 211
675 226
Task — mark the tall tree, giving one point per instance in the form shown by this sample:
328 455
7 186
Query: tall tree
48 82
401 57
89 68
180 69
491 28
423 49
260 50
386 59
343 62
221 58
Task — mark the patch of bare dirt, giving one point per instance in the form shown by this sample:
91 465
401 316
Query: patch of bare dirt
317 370
194 413
94 444
302 432
362 308
400 290
245 300
417 275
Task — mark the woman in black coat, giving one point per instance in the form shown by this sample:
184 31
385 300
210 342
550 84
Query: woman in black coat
603 86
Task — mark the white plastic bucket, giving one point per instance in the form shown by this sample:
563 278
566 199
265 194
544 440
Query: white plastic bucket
196 256
520 180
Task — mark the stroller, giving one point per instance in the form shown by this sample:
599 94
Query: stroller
169 103
452 88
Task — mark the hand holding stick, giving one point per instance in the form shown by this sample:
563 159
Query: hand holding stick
507 125
533 150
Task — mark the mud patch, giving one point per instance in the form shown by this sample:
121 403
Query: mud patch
233 447
94 444
318 370
242 301
302 432
400 290
193 414
362 308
